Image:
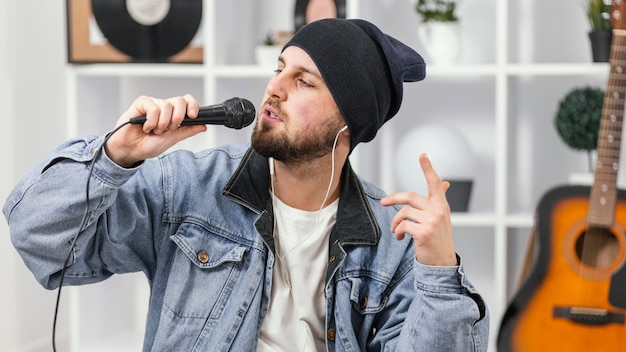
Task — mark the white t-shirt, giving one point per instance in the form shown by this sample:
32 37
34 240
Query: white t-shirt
296 317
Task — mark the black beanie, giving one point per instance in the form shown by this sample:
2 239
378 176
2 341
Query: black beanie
363 68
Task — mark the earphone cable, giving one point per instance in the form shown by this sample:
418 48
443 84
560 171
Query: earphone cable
326 195
80 227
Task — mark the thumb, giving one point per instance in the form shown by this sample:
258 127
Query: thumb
445 185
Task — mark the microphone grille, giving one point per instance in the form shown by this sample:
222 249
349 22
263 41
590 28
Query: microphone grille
242 112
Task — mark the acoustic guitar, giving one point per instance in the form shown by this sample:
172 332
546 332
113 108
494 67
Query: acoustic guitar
573 294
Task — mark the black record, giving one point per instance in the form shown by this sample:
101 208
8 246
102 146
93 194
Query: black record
299 18
148 43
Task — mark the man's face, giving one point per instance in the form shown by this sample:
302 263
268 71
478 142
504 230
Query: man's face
298 119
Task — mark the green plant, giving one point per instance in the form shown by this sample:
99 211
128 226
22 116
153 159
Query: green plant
269 39
598 14
578 119
437 10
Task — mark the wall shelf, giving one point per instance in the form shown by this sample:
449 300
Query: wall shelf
501 95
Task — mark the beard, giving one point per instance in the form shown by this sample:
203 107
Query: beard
302 147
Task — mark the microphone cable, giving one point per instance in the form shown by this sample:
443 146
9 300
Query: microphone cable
80 227
238 112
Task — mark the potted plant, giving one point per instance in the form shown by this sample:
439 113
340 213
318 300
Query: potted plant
577 121
437 10
267 53
601 29
439 29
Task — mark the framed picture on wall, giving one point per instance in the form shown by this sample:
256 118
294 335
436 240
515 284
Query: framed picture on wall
101 31
306 11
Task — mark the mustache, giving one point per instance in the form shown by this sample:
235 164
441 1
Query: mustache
275 104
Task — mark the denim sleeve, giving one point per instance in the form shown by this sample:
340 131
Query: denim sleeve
447 313
47 205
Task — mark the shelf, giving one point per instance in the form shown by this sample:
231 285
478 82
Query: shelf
473 219
244 71
239 71
503 105
490 219
139 70
169 70
460 70
556 69
519 220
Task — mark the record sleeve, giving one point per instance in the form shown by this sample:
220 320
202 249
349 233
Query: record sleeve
300 12
122 31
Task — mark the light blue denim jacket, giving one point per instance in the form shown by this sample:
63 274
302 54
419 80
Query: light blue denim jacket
199 226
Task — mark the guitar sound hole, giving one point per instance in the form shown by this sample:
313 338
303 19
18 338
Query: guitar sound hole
597 248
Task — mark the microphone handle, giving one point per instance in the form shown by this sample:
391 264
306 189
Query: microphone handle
214 115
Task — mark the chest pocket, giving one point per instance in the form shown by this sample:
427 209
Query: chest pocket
205 271
367 295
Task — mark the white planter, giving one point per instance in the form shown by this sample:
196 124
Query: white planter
441 41
266 55
581 178
451 155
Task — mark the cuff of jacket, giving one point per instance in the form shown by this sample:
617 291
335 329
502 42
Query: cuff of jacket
110 172
439 278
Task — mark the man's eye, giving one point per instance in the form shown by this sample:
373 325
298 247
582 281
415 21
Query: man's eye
305 83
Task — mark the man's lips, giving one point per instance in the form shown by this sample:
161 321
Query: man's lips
270 115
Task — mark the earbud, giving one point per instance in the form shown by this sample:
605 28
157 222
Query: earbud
343 129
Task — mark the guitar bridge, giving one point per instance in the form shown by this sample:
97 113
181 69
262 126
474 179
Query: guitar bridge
588 316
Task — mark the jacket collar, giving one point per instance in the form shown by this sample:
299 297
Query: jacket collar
356 223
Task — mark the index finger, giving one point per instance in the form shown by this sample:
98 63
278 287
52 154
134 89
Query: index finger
181 108
433 181
192 106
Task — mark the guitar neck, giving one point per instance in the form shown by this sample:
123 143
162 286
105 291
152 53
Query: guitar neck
604 189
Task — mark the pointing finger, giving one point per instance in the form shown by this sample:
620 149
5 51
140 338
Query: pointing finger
436 188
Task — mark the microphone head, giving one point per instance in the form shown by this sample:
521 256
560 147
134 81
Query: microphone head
242 112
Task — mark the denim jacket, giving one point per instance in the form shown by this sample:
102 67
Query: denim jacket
200 227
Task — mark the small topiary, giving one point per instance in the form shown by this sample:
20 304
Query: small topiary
578 119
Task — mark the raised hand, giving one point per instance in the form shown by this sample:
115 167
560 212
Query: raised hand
427 220
161 130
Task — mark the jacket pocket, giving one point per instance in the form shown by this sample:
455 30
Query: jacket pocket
367 295
205 269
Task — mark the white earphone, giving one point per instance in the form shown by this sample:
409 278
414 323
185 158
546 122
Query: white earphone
343 129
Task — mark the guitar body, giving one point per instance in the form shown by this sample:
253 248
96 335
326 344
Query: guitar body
574 296
568 300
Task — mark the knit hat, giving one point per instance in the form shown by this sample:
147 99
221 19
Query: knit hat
363 68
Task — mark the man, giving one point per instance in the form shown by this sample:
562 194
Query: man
277 247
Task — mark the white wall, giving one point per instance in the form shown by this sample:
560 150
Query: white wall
32 101
32 56
7 259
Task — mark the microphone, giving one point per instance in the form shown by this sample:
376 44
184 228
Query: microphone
233 113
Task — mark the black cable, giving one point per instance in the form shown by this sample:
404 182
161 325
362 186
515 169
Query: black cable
80 227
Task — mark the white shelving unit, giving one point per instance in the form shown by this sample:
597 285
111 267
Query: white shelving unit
515 67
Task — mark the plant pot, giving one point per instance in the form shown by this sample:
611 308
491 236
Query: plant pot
584 178
441 41
267 55
458 195
601 45
451 155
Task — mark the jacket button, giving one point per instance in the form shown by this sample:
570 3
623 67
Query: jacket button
332 258
331 334
203 257
364 302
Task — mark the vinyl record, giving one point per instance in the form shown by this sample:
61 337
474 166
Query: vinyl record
300 12
148 30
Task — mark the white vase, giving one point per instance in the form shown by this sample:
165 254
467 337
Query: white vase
267 55
581 178
441 41
450 153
